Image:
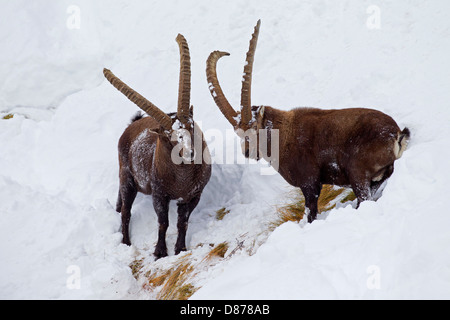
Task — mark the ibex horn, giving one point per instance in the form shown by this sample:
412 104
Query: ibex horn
184 87
246 114
216 90
163 119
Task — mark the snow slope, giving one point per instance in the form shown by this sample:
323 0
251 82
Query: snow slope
58 160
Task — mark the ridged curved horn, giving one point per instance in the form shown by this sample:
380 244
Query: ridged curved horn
184 87
164 120
216 90
246 114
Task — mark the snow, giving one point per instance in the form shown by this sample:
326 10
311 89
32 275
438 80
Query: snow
59 232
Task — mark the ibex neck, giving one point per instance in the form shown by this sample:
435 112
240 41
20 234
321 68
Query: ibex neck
278 123
275 118
180 180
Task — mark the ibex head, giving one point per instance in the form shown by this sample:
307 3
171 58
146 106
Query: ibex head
177 129
249 120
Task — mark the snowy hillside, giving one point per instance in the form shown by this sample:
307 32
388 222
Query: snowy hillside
59 232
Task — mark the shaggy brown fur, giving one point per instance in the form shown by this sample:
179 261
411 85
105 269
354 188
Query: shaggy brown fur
146 150
347 147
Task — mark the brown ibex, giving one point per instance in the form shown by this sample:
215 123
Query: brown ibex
149 154
348 147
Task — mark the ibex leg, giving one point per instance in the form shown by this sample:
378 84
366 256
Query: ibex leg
127 195
161 205
184 212
311 194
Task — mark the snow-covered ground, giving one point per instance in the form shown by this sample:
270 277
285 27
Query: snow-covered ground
58 154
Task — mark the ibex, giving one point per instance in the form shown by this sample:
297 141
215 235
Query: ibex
348 147
147 151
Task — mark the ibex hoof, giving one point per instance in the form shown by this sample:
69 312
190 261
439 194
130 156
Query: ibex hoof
160 253
177 251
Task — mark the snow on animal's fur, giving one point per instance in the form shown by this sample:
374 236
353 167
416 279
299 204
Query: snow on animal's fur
147 149
347 147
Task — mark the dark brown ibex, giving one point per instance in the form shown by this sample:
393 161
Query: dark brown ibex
149 154
348 147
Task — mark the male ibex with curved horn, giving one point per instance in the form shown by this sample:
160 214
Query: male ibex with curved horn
348 147
149 154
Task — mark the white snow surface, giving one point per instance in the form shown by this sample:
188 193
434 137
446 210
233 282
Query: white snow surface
58 154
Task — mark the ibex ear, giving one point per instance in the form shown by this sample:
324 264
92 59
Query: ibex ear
261 111
191 111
